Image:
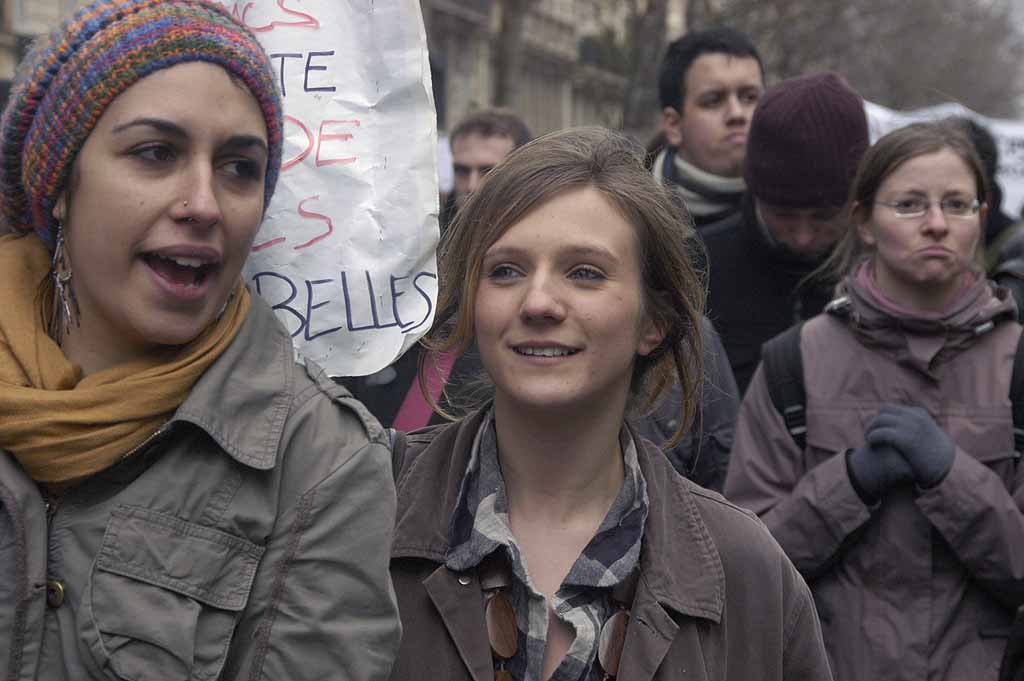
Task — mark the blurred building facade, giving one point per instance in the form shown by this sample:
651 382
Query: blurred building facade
556 89
20 21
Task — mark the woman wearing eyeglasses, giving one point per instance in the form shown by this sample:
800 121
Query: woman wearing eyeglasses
903 510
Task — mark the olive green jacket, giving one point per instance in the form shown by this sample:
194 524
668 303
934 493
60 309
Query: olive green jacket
248 540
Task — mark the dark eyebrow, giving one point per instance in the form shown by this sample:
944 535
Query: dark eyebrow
159 124
247 142
580 251
592 252
175 130
503 252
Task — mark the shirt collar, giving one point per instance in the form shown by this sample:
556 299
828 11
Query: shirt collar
679 563
480 522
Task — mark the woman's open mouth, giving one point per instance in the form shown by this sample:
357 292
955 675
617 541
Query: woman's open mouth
185 277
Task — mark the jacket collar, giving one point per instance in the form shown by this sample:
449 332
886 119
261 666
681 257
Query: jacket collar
253 376
680 568
920 341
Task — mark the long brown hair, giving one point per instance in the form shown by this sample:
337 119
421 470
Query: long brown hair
879 162
673 290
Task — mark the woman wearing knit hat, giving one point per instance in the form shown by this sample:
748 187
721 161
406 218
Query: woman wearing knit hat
179 498
902 500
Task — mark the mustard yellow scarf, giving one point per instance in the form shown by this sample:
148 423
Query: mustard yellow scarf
63 427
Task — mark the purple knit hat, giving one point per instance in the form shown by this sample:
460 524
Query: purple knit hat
67 83
806 138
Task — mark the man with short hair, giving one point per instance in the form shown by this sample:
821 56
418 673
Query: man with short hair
709 83
479 142
807 137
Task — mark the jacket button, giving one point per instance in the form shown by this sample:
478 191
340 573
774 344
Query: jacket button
464 580
54 593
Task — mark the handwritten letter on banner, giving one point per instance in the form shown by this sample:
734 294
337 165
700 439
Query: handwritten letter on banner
1009 136
346 252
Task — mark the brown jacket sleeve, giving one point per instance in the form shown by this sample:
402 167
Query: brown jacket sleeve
982 521
804 655
812 513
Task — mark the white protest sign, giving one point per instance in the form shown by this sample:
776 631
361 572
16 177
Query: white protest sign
1009 136
345 254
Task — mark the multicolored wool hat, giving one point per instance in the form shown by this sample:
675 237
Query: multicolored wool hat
68 81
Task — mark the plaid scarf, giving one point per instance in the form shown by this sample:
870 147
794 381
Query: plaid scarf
480 526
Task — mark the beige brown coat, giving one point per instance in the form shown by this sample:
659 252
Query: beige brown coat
716 600
922 586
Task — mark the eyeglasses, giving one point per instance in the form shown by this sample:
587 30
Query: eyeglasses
952 207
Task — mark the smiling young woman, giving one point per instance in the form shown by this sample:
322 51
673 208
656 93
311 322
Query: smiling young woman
179 498
540 537
904 509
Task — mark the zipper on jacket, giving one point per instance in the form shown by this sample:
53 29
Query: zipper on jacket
159 431
52 500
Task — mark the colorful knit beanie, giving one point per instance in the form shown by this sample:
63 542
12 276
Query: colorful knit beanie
807 136
69 80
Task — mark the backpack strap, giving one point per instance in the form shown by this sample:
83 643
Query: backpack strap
1012 667
783 368
1017 396
784 372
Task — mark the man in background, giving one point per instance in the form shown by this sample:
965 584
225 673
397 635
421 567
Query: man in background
709 83
479 142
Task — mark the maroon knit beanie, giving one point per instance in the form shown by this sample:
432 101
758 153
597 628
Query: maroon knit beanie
806 138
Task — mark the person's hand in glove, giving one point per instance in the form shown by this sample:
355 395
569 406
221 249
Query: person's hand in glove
912 431
874 469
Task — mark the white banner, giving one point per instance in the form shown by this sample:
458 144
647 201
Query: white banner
1009 136
346 252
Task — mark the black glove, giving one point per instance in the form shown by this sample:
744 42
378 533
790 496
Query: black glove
874 469
913 431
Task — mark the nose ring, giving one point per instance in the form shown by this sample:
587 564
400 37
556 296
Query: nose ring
185 204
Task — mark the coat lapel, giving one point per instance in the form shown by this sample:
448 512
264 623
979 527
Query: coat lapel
648 638
682 581
461 607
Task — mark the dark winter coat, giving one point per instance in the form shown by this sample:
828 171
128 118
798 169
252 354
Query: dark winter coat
754 289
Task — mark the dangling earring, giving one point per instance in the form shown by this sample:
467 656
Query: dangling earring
65 304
